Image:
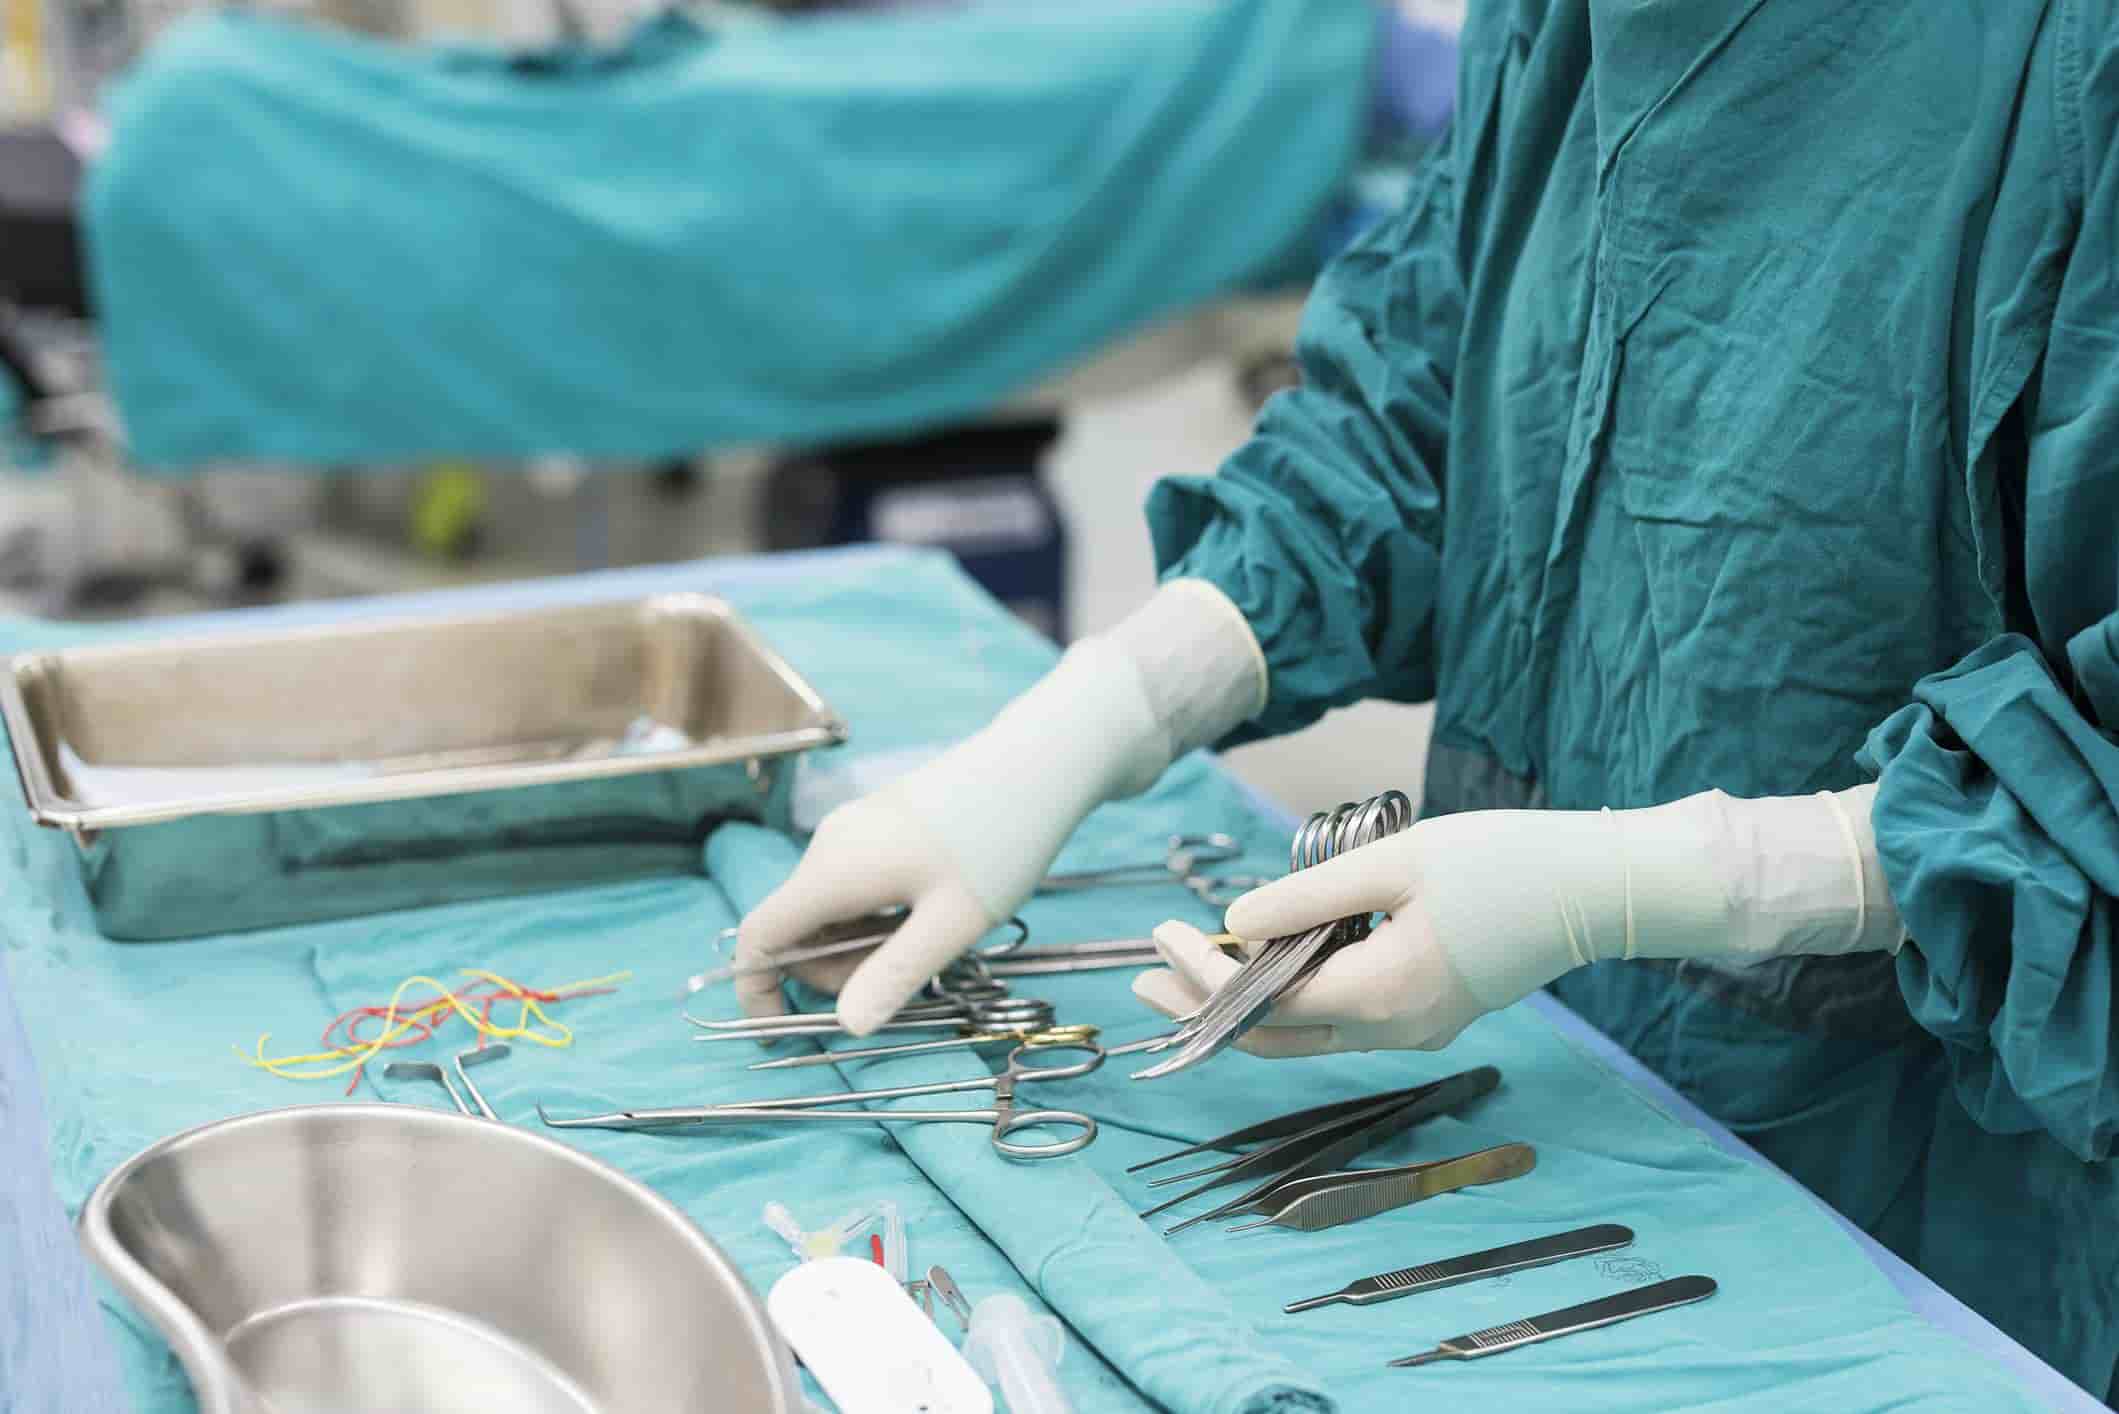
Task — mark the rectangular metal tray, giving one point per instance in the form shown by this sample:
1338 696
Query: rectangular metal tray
223 782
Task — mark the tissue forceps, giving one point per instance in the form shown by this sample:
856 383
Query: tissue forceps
1327 1200
1182 862
1003 1116
1324 1147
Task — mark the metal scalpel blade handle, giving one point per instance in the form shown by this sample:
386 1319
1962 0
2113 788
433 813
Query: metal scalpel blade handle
1473 1266
1605 1311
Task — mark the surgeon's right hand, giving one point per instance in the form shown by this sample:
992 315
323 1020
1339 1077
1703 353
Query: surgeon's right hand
871 854
963 840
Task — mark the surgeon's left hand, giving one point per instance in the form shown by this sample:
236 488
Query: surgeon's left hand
1486 907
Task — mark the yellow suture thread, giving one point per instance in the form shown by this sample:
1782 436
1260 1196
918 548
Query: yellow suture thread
340 1060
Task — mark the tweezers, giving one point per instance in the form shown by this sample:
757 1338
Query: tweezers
1278 1128
1313 1204
1324 1147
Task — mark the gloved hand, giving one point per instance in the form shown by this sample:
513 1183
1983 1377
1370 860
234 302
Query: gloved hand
965 839
1486 907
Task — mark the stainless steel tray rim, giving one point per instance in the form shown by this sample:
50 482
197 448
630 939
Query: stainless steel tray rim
51 807
199 1349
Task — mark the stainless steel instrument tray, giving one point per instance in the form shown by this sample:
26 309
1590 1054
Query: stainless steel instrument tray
241 780
381 1259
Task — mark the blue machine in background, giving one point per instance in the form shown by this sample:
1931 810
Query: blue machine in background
976 491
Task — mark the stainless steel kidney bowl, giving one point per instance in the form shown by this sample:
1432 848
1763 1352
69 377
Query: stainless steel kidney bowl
380 1259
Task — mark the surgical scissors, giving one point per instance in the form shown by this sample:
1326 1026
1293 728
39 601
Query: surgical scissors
1003 1116
1182 860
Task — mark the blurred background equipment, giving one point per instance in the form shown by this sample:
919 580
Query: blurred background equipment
963 276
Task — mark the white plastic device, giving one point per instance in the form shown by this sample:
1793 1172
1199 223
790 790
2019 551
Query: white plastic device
868 1345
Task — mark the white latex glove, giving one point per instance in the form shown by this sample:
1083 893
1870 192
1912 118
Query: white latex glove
1486 907
965 838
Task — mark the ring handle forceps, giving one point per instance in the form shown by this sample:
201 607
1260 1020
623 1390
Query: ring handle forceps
944 1011
853 935
1181 862
1005 1119
985 1014
1049 1036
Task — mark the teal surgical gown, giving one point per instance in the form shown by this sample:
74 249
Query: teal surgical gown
1735 403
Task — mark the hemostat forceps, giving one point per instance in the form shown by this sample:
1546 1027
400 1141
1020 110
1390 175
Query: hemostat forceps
1013 959
1181 863
982 1014
1049 1036
1003 1116
853 935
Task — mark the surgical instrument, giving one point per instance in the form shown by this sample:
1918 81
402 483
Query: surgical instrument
1003 1116
852 935
1016 960
1279 1127
1049 1036
1473 1266
427 1070
1328 1200
1324 1147
946 1009
1608 1310
1096 962
478 1055
1134 1048
1356 1135
944 1286
1025 1012
1296 1145
1279 966
1181 863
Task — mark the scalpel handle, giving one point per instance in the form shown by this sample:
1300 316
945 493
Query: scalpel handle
1605 1311
1493 1262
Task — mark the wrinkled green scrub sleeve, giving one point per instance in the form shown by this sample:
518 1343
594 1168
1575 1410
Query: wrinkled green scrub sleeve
1325 528
1997 812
